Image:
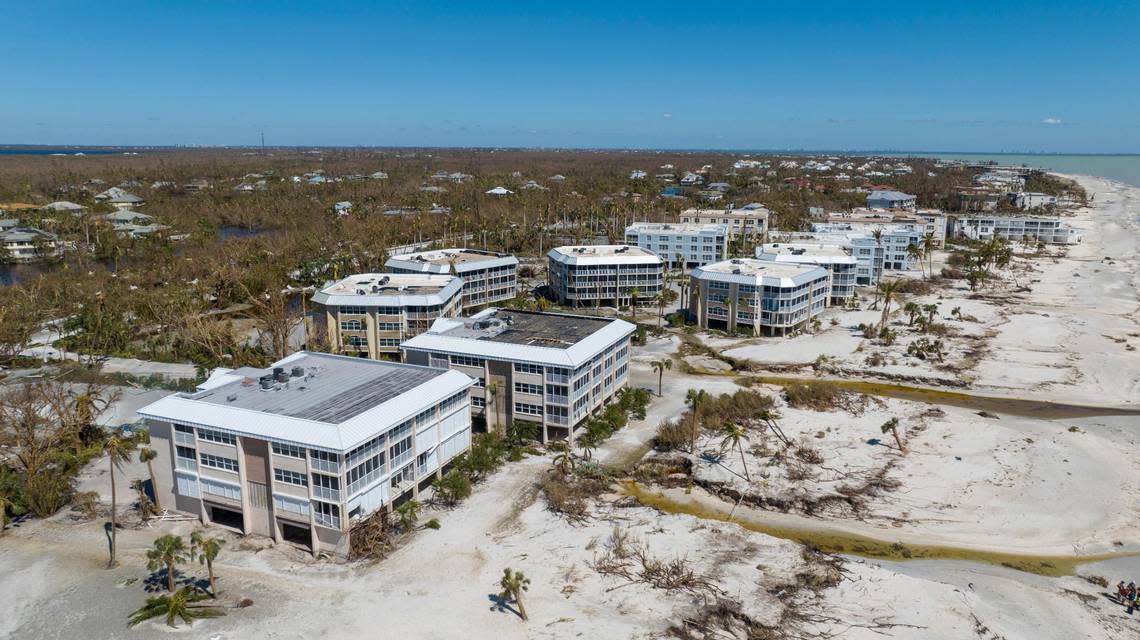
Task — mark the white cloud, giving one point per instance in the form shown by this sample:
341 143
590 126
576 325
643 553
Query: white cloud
666 115
1052 121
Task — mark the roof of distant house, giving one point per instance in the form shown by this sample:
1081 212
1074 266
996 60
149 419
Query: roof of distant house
390 290
760 272
602 254
440 260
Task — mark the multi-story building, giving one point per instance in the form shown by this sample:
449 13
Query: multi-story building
1014 228
548 369
760 295
301 449
24 244
749 221
1032 200
370 314
837 259
690 245
488 277
611 274
925 221
895 239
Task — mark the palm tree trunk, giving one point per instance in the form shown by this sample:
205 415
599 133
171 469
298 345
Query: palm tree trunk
747 476
660 379
113 503
519 602
170 577
210 570
895 433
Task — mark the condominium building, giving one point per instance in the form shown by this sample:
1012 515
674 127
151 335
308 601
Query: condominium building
548 369
761 296
925 221
689 245
889 199
370 314
299 450
837 259
1014 228
488 277
895 239
611 274
751 220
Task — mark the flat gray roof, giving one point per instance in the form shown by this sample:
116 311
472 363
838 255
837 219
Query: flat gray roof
333 388
528 328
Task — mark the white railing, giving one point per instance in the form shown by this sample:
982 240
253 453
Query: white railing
186 464
184 439
332 522
324 493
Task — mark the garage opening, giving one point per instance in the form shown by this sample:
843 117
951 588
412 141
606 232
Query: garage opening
294 534
227 518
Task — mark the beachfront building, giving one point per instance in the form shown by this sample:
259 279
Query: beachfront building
924 221
25 244
488 277
302 449
894 239
608 274
837 259
889 199
1044 229
548 370
689 245
1032 200
759 296
368 315
751 220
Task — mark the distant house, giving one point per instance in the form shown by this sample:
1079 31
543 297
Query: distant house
672 192
531 185
637 174
131 223
884 199
64 205
499 191
342 208
194 186
558 177
691 178
719 186
162 184
431 188
24 244
250 187
380 175
119 199
459 177
1032 200
440 175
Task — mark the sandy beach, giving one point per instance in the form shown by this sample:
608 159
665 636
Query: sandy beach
1004 484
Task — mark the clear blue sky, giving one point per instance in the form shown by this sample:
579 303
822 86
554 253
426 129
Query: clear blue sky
971 76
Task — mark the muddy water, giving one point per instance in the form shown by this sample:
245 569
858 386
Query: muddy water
1009 406
835 541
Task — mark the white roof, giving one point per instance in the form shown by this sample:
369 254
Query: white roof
760 212
492 334
499 191
759 272
64 205
339 403
439 261
805 253
603 254
389 290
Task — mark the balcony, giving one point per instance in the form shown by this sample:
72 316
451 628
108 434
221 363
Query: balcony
186 464
324 493
184 439
331 522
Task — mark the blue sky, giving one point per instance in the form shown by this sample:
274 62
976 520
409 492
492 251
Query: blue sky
966 76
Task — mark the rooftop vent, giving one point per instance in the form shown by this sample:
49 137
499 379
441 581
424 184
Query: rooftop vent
266 382
231 397
298 372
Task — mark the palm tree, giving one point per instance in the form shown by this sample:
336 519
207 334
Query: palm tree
587 442
660 366
892 426
912 310
733 435
513 584
695 398
888 288
118 450
930 310
563 458
168 551
667 296
493 392
914 252
408 513
178 605
633 295
207 550
928 245
144 502
769 417
147 455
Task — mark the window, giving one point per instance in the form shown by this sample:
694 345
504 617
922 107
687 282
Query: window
353 310
425 416
289 504
364 451
523 387
223 489
401 451
466 361
187 486
528 409
360 342
388 326
324 461
351 325
181 428
290 477
217 436
218 462
478 402
327 487
523 367
186 452
365 473
326 515
288 451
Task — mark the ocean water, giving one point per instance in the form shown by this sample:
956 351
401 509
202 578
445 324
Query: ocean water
1123 168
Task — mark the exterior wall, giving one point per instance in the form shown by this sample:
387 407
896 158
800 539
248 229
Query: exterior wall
676 246
565 398
382 329
1015 229
613 283
352 483
737 222
482 286
730 305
